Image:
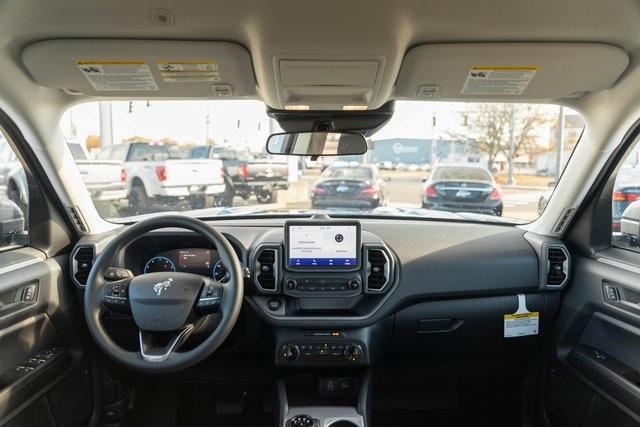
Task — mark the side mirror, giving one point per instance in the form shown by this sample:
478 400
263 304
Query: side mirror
630 223
317 144
12 230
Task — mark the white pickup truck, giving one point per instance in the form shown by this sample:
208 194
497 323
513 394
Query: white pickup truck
158 176
105 179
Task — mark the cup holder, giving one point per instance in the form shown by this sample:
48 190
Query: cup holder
343 423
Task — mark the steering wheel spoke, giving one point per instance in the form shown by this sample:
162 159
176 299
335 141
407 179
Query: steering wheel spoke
158 346
115 295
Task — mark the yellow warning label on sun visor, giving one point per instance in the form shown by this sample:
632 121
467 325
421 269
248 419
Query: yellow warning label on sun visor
189 71
499 79
118 74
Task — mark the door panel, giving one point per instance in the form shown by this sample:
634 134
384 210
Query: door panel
597 342
39 342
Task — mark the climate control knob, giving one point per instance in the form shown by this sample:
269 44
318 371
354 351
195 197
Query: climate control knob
353 352
291 284
353 284
290 352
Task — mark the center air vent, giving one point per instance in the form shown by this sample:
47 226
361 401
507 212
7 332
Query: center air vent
378 274
558 265
82 261
266 270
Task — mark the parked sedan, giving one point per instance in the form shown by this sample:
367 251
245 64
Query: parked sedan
457 188
347 185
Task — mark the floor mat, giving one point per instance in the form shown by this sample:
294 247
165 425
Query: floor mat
447 404
196 405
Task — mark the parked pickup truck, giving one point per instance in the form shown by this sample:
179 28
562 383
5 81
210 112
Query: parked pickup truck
104 179
245 174
157 175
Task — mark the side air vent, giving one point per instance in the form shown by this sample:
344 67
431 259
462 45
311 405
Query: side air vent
81 263
379 270
557 266
266 269
78 219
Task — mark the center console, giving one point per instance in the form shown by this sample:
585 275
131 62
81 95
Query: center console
336 402
315 280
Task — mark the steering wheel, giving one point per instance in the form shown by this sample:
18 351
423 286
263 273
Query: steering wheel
166 306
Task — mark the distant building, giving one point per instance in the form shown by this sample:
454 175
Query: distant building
419 151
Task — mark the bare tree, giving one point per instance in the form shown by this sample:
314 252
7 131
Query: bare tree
489 125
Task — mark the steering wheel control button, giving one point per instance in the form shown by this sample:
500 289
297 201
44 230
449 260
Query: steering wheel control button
210 297
302 421
115 295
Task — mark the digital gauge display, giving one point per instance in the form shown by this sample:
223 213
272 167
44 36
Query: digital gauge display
159 263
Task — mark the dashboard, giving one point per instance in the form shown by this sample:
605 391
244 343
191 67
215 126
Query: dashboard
364 285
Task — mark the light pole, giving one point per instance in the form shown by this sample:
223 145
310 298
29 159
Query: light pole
512 144
106 124
560 144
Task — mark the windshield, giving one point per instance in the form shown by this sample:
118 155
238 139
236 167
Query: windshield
459 161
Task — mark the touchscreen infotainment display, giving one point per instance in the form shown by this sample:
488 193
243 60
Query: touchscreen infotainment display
323 245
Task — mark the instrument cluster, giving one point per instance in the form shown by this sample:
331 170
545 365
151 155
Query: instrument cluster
205 262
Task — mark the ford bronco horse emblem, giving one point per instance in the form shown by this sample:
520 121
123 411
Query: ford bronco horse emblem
160 287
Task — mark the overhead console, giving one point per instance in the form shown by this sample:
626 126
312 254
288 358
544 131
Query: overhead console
319 267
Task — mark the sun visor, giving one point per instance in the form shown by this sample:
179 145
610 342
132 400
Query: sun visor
499 71
142 68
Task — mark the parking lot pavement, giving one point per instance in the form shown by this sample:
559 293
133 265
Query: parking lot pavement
404 190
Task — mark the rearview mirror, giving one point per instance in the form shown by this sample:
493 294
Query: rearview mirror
317 144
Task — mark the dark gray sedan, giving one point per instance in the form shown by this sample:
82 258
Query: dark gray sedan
462 188
347 185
